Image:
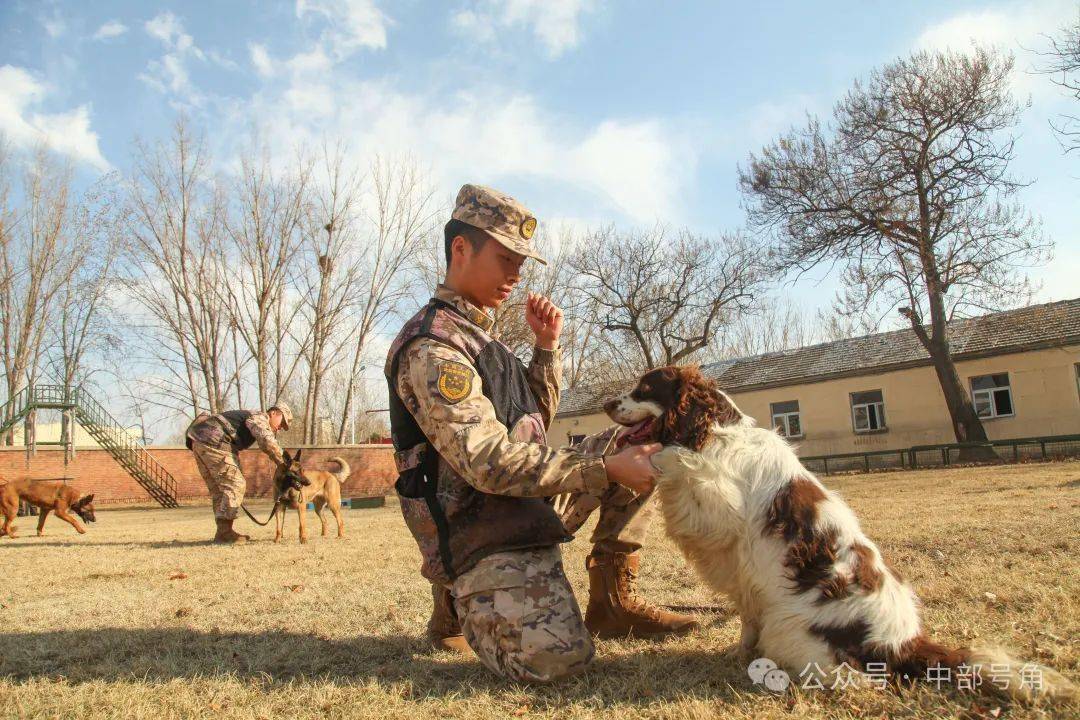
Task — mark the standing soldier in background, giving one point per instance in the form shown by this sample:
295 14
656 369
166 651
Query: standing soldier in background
216 441
476 475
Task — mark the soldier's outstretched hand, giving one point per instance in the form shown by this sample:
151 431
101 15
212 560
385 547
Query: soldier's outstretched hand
545 319
632 467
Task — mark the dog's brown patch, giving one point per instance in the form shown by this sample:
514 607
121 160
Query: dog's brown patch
848 641
864 569
793 512
912 659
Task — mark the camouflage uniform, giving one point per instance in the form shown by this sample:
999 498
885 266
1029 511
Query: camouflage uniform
216 441
517 610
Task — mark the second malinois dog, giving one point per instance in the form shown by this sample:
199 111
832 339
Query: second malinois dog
295 487
50 497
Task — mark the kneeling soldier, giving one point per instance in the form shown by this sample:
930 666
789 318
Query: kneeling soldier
475 472
216 441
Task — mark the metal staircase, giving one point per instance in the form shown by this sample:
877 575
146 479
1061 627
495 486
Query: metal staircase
109 434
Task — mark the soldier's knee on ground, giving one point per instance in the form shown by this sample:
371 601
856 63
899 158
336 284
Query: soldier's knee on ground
544 658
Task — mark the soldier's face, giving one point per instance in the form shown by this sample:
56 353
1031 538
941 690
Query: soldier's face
488 275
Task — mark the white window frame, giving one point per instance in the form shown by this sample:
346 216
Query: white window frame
987 396
781 421
879 413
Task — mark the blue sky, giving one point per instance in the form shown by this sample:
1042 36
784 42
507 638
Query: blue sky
590 111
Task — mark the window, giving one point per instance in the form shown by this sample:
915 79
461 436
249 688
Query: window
868 411
992 395
1077 368
785 418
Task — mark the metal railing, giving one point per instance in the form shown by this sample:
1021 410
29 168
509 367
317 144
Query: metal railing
1048 447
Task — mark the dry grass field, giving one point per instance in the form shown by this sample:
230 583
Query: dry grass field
142 618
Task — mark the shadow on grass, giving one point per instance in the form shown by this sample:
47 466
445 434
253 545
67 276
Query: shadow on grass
6 542
275 658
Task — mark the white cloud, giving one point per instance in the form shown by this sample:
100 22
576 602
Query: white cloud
67 133
169 29
555 23
629 169
170 73
111 29
260 58
351 24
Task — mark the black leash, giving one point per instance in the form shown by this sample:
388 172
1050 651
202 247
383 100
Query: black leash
273 512
296 482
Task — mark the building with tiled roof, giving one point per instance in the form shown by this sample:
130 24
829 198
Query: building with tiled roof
1022 368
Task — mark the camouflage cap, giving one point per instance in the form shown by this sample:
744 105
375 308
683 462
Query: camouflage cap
500 216
286 414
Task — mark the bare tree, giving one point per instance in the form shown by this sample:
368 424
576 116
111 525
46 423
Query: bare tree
331 276
659 298
37 258
265 237
175 233
1063 67
909 191
82 335
402 216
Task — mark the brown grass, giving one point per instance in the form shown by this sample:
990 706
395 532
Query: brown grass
92 626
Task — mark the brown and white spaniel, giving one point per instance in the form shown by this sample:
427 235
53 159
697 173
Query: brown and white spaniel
812 591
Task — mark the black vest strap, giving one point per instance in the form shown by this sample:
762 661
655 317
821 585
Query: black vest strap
428 469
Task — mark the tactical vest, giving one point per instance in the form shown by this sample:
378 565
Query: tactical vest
229 427
455 524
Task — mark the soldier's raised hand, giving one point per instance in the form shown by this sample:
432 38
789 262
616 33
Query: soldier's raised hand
545 319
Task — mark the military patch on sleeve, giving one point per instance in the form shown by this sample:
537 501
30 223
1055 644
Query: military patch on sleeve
455 381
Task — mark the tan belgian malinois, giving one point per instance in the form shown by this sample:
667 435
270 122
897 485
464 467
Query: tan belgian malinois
295 487
50 497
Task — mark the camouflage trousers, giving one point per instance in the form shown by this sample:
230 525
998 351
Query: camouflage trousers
519 615
220 470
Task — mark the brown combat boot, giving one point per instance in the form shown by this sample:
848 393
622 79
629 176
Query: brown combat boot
226 535
443 629
615 609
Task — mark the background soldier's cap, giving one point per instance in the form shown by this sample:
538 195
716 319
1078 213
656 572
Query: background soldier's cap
286 414
500 216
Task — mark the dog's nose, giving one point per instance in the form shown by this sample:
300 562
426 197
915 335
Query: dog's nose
610 405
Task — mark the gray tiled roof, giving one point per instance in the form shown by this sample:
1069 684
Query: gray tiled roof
1049 325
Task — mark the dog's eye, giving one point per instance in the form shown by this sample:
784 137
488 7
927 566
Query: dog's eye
644 388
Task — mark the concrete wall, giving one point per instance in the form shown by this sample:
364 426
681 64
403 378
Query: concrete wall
1045 394
94 470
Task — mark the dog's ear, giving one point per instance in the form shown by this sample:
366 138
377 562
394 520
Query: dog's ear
298 454
699 406
86 500
287 457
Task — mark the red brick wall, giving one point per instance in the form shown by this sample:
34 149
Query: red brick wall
94 470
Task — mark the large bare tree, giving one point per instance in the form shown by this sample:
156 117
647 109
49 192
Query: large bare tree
909 191
330 274
265 237
38 256
402 216
176 231
659 297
